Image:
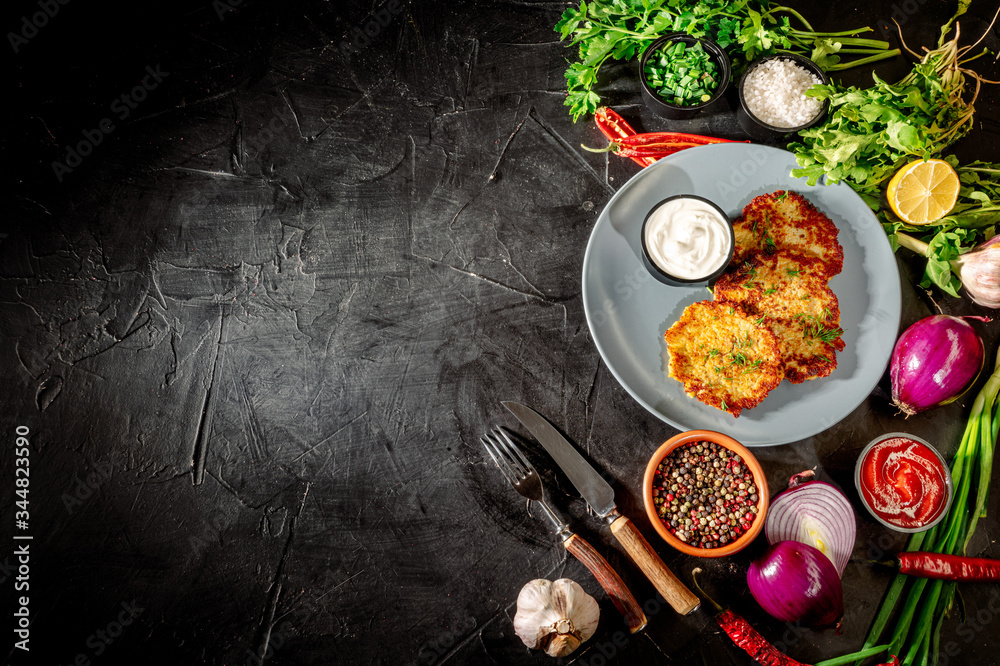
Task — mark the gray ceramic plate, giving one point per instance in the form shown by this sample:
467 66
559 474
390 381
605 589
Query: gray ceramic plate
628 311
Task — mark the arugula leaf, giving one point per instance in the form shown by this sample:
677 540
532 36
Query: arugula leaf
939 273
904 137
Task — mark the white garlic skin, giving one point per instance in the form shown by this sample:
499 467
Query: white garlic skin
980 273
555 616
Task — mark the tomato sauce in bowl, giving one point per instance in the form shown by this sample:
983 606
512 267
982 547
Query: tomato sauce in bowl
904 482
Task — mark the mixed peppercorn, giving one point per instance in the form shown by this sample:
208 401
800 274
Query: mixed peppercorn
705 494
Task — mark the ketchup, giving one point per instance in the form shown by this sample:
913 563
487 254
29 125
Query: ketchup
904 482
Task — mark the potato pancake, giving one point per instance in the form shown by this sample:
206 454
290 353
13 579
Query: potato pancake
784 220
788 293
724 357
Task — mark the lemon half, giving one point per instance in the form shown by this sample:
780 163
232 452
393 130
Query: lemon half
923 191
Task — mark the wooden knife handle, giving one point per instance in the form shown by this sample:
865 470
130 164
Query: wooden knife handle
609 580
679 597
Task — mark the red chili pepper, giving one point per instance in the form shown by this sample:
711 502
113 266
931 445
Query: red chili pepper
650 138
646 148
611 124
652 150
949 567
616 128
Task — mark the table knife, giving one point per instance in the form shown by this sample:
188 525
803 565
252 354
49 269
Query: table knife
601 498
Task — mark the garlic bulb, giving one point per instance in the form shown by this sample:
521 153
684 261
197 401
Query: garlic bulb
980 273
555 617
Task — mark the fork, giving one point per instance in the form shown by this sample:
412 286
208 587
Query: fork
522 475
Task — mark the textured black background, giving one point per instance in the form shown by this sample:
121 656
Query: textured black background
257 334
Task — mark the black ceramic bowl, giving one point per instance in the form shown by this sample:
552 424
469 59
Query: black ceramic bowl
666 278
660 106
760 130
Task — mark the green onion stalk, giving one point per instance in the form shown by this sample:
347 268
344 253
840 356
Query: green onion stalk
923 603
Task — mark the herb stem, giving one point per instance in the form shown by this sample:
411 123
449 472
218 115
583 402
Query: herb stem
978 169
614 28
860 50
863 61
921 644
911 243
845 33
906 618
789 10
874 44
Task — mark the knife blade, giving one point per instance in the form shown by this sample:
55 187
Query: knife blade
601 497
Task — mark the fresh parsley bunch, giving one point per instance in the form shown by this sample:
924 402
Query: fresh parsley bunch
623 29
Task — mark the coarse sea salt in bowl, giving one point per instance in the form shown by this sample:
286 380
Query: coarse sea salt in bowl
773 103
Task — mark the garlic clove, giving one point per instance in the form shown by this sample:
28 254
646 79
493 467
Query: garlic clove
555 616
979 271
562 645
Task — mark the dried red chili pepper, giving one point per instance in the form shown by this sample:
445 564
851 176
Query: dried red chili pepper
749 639
948 567
617 147
615 128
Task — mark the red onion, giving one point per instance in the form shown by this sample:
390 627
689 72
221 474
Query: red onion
794 582
813 513
934 362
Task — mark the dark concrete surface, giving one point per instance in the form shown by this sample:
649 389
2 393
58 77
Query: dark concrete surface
257 333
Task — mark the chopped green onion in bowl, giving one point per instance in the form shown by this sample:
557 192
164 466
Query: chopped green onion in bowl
682 74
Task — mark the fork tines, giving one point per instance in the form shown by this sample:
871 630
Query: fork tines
507 455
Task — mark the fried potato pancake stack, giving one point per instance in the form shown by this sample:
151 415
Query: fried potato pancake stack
777 283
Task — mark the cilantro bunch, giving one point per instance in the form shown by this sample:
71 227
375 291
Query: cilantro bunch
623 29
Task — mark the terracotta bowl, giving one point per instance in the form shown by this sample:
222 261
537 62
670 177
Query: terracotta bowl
763 498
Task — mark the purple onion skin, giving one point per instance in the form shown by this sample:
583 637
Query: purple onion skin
795 582
934 362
